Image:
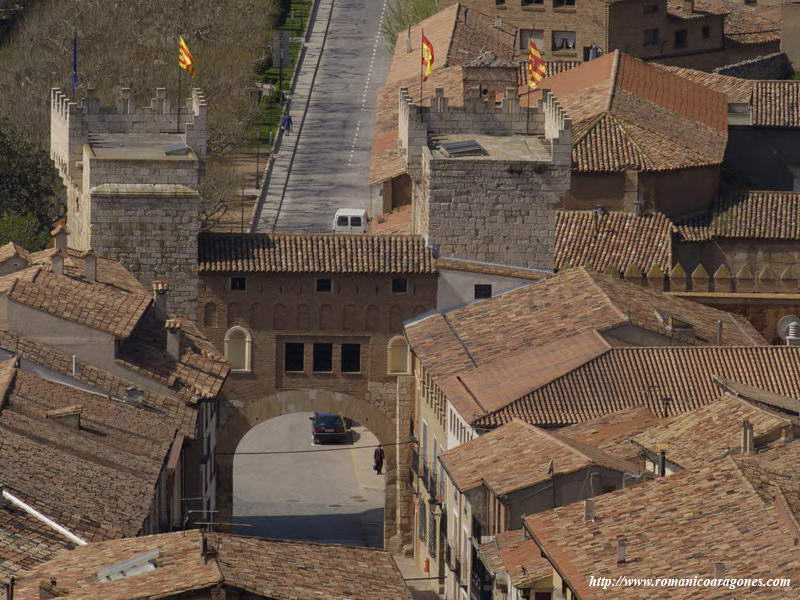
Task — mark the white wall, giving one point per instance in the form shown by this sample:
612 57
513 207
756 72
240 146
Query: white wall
458 287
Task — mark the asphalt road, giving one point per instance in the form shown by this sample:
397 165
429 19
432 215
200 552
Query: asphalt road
331 166
321 496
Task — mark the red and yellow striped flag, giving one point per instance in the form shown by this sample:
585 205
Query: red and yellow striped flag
427 58
185 59
537 68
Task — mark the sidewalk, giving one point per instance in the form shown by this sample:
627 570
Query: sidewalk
267 209
420 589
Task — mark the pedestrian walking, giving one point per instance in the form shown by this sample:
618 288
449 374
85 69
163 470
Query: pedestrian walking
379 456
286 124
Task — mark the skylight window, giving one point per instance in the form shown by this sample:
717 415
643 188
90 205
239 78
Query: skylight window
128 568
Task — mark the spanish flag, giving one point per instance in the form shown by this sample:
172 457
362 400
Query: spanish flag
427 58
537 68
185 59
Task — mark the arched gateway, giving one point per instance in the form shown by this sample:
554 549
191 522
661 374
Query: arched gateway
389 423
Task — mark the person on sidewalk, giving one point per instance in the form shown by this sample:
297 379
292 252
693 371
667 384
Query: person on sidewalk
379 456
286 124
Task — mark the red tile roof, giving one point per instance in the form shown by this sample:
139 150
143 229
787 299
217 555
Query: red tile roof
614 431
678 526
776 104
516 554
612 239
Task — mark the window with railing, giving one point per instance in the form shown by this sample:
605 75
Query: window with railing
415 461
432 530
422 521
477 530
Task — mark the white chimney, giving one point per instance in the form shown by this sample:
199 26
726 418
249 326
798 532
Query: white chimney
160 292
57 262
588 511
719 570
90 265
622 549
498 22
173 327
793 335
748 443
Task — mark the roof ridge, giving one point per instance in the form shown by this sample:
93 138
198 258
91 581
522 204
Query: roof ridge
589 274
589 128
613 80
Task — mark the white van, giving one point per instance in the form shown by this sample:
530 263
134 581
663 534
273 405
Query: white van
350 220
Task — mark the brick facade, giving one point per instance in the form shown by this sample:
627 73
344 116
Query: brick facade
496 208
280 308
127 198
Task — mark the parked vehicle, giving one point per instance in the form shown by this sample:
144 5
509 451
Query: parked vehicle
350 220
327 427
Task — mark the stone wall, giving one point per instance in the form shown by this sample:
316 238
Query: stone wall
708 61
154 235
771 66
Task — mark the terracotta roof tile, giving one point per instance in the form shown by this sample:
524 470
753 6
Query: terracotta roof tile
110 273
668 380
747 214
738 91
681 527
516 554
560 307
517 456
313 253
776 104
275 569
13 250
617 239
475 266
614 431
703 435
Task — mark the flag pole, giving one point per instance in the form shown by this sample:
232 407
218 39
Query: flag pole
178 127
421 62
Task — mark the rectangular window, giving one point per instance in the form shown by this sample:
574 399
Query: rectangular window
294 357
483 290
532 2
563 3
238 284
499 2
650 9
650 37
526 35
399 286
706 32
351 358
563 40
323 358
681 38
324 286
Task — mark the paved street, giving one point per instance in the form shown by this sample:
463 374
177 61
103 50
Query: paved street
331 165
322 496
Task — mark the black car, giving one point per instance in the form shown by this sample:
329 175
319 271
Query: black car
326 427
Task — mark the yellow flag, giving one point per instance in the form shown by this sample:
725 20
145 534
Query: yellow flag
185 59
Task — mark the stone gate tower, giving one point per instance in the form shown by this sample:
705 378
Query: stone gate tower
132 177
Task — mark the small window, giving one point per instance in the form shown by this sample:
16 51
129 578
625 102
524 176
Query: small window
532 2
499 2
238 284
237 349
650 9
563 40
706 32
294 357
351 358
483 290
399 286
323 358
650 37
341 221
563 3
681 38
324 286
355 221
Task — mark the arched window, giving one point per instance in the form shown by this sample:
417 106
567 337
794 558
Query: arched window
325 317
372 320
303 318
237 349
210 315
398 359
280 318
256 316
396 318
233 313
349 318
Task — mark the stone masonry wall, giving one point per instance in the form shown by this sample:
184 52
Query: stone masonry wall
155 237
771 66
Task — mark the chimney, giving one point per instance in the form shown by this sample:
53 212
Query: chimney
69 416
748 443
787 434
90 265
588 511
719 332
57 262
160 292
662 463
622 548
719 570
134 396
10 588
48 590
498 23
688 6
60 236
793 335
173 327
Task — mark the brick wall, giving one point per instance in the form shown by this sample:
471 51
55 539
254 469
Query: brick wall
708 61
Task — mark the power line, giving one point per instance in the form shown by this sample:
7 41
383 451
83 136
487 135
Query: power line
310 451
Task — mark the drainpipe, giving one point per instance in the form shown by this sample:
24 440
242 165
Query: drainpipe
39 516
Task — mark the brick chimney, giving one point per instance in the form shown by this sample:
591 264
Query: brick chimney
49 590
90 265
60 236
69 416
57 262
160 292
173 327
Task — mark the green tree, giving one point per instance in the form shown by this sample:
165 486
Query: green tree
403 14
29 183
26 230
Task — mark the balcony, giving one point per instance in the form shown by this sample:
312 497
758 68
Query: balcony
477 530
415 461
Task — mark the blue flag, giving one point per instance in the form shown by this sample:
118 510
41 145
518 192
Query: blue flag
75 61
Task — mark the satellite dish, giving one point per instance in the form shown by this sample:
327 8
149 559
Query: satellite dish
784 323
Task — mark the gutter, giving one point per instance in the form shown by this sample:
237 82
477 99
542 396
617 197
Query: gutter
41 517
